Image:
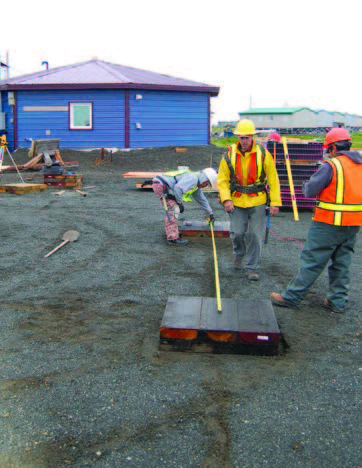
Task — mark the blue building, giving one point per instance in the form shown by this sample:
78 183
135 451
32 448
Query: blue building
98 104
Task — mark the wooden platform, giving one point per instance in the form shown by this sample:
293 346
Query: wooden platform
243 326
21 189
202 229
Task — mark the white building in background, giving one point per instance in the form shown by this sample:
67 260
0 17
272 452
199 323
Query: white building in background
300 119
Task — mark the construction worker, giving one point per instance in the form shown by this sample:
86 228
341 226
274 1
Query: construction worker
333 231
274 136
242 179
175 188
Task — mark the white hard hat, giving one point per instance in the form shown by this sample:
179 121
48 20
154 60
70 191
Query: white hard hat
211 174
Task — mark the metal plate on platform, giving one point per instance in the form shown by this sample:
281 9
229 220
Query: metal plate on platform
182 312
202 229
243 327
200 313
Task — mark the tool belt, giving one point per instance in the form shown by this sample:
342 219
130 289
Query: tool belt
236 189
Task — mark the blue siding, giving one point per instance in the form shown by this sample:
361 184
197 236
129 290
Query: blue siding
169 118
108 118
9 120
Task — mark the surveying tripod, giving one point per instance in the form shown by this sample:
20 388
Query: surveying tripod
3 148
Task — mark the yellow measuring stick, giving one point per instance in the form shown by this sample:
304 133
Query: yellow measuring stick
290 178
217 282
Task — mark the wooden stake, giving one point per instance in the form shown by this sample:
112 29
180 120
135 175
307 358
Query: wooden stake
290 179
217 281
83 193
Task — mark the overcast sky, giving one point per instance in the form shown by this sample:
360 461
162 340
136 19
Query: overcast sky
272 53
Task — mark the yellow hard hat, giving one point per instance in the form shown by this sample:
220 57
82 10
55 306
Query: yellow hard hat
245 128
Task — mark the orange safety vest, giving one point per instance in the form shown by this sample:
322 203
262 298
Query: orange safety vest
340 203
255 170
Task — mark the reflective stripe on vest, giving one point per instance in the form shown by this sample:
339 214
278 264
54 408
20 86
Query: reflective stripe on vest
186 197
259 163
339 207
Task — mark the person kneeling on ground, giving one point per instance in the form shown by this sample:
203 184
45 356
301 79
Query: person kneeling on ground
333 231
243 175
175 188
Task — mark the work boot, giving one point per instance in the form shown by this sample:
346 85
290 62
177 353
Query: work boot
328 304
237 263
278 300
178 241
253 275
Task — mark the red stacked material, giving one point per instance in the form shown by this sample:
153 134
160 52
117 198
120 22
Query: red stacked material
305 159
66 181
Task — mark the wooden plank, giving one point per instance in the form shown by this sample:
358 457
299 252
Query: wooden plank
144 187
182 312
59 158
214 347
141 175
148 186
33 161
181 150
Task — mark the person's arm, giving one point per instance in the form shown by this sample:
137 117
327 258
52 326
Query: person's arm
319 181
223 181
273 180
199 196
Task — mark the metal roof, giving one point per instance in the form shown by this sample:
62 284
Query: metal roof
288 110
99 74
276 110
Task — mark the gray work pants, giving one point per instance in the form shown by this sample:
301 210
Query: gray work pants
251 221
325 243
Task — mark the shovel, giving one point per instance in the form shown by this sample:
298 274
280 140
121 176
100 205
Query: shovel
69 236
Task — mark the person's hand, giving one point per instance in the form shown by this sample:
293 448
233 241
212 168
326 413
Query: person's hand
229 206
211 219
274 210
182 208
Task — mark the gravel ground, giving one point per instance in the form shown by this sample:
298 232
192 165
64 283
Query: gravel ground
83 382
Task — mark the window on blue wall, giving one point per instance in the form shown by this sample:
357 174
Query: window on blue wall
81 115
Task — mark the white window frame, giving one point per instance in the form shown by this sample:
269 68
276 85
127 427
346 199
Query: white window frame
71 116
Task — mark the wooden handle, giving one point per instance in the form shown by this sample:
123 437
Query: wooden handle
217 281
290 178
56 248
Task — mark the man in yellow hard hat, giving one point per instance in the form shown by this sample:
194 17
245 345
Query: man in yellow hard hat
242 179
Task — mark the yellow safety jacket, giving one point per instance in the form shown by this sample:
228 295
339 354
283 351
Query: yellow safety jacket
246 163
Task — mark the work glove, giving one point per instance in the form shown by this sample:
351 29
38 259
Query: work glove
211 218
182 208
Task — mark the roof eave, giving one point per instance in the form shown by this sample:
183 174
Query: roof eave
263 113
213 91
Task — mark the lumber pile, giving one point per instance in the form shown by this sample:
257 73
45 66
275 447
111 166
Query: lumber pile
65 180
304 161
48 146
